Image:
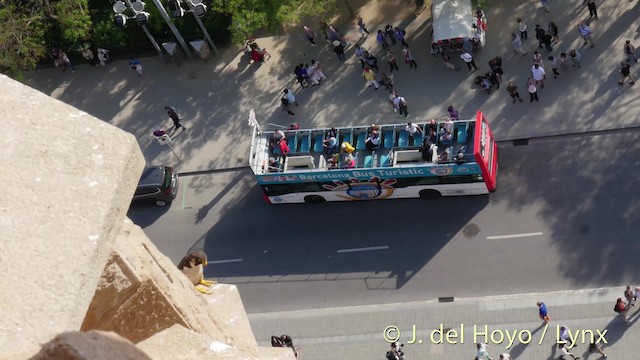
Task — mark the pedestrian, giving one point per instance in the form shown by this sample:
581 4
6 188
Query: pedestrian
545 5
621 309
553 62
496 68
505 356
372 61
87 54
401 104
585 33
575 58
630 52
362 27
625 71
553 31
542 309
563 334
103 56
538 74
317 70
338 48
135 65
493 77
447 61
360 54
386 80
517 44
630 296
453 113
392 96
370 78
540 36
299 77
597 347
512 89
537 58
408 59
564 352
325 30
382 40
482 352
400 34
309 35
533 94
563 61
287 100
304 71
593 11
388 31
391 60
523 29
468 59
171 111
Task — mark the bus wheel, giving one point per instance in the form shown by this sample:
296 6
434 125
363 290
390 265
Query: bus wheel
430 194
314 199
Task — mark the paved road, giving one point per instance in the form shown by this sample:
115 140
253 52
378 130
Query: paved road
562 218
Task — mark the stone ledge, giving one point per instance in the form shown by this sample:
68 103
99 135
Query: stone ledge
71 177
92 345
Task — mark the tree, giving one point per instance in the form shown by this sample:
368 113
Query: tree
247 16
21 39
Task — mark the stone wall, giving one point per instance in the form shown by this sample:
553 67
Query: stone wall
81 281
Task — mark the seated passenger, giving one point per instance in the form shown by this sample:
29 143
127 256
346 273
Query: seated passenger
332 132
374 128
432 136
448 125
348 148
349 162
444 157
330 146
274 165
446 138
433 125
372 141
332 162
426 150
460 158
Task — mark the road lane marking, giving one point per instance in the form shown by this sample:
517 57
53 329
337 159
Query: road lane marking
224 261
513 236
363 249
184 195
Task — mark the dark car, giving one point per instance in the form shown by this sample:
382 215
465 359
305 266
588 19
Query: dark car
157 184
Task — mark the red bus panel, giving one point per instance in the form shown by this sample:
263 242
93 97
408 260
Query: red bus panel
485 151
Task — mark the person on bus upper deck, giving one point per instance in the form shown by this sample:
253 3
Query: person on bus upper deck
460 157
432 135
433 125
453 113
332 132
349 162
426 149
330 146
278 135
274 165
284 147
444 157
448 125
413 129
372 141
347 147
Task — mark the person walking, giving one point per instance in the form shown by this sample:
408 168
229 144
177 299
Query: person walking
386 80
575 58
338 48
447 61
483 354
630 296
401 104
585 33
103 56
542 308
630 52
287 100
533 94
591 5
537 58
408 59
400 34
564 352
468 59
563 62
625 71
362 27
171 111
512 89
517 44
597 347
135 65
522 27
496 68
370 78
371 61
538 74
621 309
388 31
554 66
317 72
391 60
505 356
309 35
360 53
553 31
64 59
382 40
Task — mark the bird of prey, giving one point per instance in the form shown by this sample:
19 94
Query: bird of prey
192 266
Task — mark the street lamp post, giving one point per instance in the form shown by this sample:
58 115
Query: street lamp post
173 28
198 9
141 18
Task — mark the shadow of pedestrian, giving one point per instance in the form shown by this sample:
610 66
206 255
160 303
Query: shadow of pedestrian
617 327
518 349
554 349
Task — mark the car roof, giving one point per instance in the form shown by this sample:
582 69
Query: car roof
152 176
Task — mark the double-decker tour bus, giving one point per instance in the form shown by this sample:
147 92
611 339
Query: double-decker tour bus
441 158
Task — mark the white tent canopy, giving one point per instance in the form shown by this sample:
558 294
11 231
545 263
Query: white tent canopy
452 19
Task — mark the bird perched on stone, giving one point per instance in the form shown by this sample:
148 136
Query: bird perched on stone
192 266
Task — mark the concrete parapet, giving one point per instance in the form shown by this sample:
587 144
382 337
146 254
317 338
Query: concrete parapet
92 345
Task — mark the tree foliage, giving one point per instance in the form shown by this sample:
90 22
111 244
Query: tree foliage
73 19
21 39
247 16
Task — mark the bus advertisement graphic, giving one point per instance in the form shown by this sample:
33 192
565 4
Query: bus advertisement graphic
363 190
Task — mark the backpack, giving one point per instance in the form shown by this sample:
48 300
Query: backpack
284 101
617 309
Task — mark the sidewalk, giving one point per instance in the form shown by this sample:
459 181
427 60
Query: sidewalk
214 99
357 332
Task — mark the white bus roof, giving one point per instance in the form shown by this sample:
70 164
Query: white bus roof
451 19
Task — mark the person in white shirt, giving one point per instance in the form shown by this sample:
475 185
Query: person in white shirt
538 74
533 90
468 59
413 129
401 104
523 29
564 333
565 352
482 349
505 356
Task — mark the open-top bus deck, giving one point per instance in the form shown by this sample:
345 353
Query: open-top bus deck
306 168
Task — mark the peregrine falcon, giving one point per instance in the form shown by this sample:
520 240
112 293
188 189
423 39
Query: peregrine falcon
192 266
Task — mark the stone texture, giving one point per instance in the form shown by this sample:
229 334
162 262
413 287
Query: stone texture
179 343
142 292
93 345
68 178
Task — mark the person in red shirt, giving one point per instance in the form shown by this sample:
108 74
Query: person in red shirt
284 147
